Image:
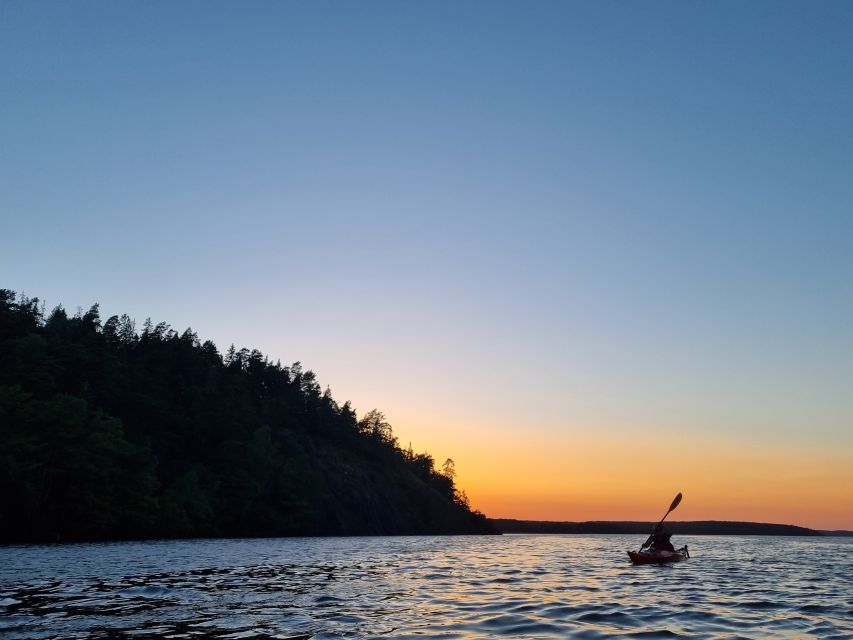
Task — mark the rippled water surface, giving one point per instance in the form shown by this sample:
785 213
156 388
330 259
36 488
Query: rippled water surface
448 587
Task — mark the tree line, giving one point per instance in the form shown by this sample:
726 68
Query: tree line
110 432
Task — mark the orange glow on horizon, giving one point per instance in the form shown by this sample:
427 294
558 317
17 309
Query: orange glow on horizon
603 477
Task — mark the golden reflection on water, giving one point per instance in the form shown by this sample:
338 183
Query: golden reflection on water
434 587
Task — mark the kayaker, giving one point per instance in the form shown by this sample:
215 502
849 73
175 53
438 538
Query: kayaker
660 539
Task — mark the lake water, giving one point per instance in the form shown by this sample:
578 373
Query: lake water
522 586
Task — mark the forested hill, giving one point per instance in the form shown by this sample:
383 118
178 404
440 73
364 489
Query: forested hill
107 432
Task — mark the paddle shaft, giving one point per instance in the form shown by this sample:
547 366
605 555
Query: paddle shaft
674 504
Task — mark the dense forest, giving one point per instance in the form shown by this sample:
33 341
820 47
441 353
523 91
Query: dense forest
107 432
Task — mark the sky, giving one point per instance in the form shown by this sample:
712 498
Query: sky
596 252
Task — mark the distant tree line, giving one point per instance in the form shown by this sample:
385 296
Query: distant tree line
698 527
109 432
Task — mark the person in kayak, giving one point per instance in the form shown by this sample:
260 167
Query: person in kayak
660 539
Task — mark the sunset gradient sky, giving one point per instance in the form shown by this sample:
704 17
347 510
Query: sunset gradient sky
597 253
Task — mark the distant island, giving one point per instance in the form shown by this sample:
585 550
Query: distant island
107 432
702 527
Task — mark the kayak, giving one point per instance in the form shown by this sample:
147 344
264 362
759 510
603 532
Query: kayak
650 556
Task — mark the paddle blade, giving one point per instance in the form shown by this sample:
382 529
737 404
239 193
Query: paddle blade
675 502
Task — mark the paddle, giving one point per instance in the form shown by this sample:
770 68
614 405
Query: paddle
672 507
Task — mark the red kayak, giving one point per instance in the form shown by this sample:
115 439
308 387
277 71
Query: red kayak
650 556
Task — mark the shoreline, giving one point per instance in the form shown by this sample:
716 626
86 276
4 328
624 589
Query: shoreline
693 527
564 528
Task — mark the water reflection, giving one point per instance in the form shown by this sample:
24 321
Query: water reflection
459 587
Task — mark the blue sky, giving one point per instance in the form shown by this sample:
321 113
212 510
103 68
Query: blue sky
553 217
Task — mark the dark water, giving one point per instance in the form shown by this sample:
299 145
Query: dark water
449 587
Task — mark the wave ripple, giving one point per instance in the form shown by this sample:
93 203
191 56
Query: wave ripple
430 587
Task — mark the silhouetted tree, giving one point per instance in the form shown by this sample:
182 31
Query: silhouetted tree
106 433
448 469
